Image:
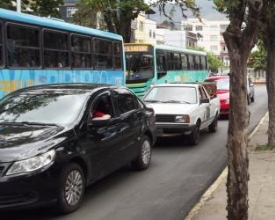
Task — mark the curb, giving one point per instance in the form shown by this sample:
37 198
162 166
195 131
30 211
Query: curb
217 182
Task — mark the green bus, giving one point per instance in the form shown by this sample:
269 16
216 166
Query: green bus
148 64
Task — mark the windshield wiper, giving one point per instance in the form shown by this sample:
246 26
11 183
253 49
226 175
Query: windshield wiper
27 123
152 100
176 101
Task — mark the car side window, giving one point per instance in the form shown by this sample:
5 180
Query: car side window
126 101
102 106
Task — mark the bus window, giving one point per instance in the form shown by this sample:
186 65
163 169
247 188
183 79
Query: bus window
170 61
177 61
204 63
197 62
102 54
81 51
161 61
23 46
56 52
117 56
191 62
1 45
184 61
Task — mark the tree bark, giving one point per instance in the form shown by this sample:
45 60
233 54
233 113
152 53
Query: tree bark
237 180
270 85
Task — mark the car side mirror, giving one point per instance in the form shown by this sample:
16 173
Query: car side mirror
99 121
205 100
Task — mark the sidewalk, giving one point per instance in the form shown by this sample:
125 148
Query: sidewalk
261 186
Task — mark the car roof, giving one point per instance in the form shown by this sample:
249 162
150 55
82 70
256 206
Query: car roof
177 84
69 87
215 78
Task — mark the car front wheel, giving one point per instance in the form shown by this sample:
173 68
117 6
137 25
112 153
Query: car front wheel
194 137
72 186
143 159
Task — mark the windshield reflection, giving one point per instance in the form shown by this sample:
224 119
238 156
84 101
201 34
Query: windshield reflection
172 95
49 108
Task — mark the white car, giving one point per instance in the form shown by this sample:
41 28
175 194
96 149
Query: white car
184 109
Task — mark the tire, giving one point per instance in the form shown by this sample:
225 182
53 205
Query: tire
214 125
252 99
143 159
194 137
72 187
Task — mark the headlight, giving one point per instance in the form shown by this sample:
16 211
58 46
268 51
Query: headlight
31 164
182 119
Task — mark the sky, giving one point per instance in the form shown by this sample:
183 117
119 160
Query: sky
207 10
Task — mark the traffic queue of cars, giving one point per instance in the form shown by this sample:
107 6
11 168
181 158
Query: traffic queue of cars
55 140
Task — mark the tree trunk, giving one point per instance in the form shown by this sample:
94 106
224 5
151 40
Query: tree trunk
270 85
237 180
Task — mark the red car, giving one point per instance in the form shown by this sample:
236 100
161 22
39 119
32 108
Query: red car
222 92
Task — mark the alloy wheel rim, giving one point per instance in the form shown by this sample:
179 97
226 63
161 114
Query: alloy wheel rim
146 152
73 187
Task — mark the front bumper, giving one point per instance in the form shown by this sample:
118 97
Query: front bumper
175 128
29 191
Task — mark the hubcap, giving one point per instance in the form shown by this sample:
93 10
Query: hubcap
73 187
146 152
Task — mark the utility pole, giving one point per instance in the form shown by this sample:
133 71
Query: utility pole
18 6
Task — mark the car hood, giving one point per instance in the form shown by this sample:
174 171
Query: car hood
172 108
21 142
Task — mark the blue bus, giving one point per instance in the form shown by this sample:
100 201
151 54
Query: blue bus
148 64
37 50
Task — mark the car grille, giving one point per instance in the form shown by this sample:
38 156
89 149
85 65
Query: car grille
165 118
17 198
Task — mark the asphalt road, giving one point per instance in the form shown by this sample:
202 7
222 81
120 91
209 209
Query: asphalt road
168 190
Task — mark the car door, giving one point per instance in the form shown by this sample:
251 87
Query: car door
103 138
132 118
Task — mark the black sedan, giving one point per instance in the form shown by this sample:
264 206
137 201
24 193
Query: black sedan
53 145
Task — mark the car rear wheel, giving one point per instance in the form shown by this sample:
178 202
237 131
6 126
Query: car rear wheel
143 159
72 186
213 126
194 137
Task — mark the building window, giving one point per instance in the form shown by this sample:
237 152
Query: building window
213 37
71 11
198 28
223 27
214 48
154 35
150 33
188 28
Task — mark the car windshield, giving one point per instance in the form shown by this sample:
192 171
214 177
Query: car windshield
223 84
170 94
46 108
139 66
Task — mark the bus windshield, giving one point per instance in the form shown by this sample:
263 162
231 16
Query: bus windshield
139 66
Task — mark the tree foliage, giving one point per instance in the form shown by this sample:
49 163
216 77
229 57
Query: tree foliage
11 5
46 7
117 15
258 58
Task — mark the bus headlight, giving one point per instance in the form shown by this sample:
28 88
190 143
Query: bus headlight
182 119
31 164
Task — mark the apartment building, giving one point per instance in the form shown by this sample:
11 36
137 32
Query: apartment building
209 35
